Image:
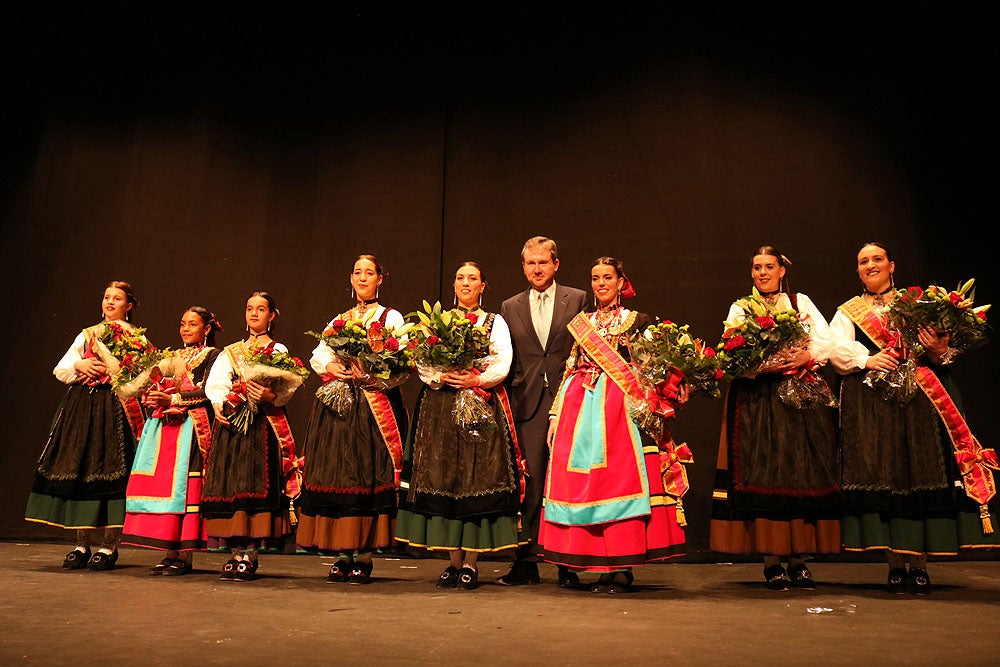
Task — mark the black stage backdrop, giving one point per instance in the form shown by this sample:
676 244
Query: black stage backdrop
202 157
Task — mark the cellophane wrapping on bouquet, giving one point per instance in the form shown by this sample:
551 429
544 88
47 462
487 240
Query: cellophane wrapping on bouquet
381 354
452 340
278 370
946 312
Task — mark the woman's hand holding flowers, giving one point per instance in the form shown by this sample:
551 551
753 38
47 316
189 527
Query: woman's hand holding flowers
936 344
156 399
884 361
91 368
260 393
465 379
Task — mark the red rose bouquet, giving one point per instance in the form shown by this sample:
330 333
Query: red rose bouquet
119 347
946 312
446 340
278 370
950 312
766 338
380 351
665 354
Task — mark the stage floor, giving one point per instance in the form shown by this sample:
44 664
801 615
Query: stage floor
678 614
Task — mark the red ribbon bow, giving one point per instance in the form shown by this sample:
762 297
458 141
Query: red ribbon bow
167 386
236 397
663 396
293 469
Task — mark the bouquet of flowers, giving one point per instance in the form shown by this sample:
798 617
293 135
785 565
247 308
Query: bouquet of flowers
135 373
945 312
665 354
265 365
447 340
116 346
941 310
380 351
764 339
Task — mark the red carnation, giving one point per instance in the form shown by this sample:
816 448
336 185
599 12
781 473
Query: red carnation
298 362
375 326
338 324
472 317
412 343
432 340
709 352
392 343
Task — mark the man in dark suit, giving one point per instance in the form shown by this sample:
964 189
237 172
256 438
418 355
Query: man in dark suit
537 319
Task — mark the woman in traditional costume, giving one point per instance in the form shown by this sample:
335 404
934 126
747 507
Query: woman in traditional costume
353 446
605 506
462 485
83 469
904 489
250 474
162 503
777 492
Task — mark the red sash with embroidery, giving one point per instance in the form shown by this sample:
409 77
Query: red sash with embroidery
501 395
386 419
672 456
605 356
974 460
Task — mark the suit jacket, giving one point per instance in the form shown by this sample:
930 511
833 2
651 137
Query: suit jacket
536 372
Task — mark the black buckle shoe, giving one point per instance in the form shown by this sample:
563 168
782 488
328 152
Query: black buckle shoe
776 579
568 578
339 571
920 582
76 559
448 578
102 562
468 579
897 583
521 573
245 570
360 574
802 579
229 570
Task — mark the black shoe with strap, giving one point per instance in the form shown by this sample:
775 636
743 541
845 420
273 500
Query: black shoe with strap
521 573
